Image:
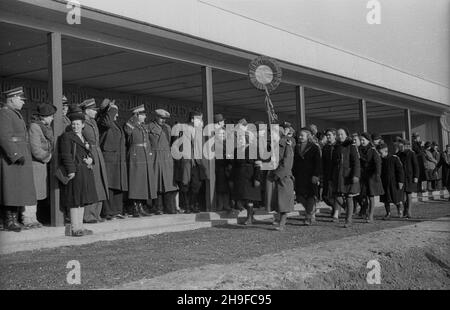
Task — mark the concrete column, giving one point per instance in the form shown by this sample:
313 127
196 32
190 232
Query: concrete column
55 92
208 112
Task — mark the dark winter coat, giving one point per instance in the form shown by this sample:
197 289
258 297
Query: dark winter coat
370 160
113 146
163 165
16 181
81 189
244 173
223 168
345 166
307 165
141 178
283 190
445 164
327 174
392 174
410 169
92 134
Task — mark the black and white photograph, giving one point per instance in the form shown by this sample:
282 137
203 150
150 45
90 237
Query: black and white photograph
224 151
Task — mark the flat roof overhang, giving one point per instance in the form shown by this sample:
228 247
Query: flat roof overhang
136 36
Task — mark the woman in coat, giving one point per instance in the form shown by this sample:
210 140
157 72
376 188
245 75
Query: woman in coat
41 142
141 178
92 134
371 184
246 177
411 171
392 176
112 144
307 171
327 167
445 164
76 160
345 174
282 196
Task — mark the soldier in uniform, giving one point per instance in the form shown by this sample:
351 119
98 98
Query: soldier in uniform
192 168
112 144
90 131
162 162
16 170
141 177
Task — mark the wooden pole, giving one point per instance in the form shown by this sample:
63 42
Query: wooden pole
208 112
363 115
55 97
300 107
407 121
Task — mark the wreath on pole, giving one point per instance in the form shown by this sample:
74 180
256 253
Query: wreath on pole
265 74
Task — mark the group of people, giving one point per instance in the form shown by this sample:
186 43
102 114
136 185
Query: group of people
111 171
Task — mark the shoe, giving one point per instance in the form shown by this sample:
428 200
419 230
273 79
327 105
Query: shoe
91 222
335 219
307 222
109 217
101 220
347 224
87 232
77 233
135 211
119 216
387 217
142 211
11 222
280 228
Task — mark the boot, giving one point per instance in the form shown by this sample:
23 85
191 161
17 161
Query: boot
135 210
11 221
141 210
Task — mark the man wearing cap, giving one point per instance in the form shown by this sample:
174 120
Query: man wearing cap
42 145
160 136
418 148
112 144
141 178
192 171
90 131
16 170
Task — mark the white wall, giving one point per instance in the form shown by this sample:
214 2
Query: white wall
407 52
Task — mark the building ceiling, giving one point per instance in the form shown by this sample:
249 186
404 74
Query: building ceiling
23 54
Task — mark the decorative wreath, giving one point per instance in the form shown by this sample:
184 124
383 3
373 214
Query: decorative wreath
264 73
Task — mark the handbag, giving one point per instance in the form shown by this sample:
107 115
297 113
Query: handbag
60 171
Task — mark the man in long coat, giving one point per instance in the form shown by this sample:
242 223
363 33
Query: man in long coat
112 144
92 134
16 170
162 162
141 177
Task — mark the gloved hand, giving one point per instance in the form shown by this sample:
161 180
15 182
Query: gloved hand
20 161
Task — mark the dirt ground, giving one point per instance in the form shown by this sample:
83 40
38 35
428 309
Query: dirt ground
233 250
